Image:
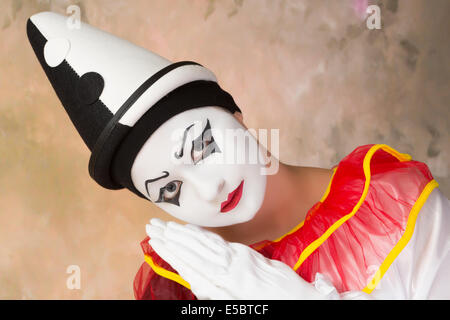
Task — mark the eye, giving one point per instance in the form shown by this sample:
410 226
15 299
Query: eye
204 145
170 193
203 149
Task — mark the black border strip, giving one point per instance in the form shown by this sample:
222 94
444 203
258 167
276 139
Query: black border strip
104 136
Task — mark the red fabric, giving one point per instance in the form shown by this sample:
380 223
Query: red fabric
352 254
150 286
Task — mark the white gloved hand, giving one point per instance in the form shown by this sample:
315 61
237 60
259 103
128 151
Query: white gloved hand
217 269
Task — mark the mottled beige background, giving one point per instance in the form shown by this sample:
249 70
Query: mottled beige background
310 68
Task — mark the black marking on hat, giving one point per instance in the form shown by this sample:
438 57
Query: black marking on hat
90 87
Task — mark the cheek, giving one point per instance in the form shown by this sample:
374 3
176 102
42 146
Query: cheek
192 207
183 213
254 190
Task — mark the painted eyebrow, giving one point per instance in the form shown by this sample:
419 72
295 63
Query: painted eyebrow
179 154
147 182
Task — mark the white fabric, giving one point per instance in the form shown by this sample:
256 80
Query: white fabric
422 269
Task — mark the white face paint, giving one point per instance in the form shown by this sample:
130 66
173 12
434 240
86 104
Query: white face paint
191 172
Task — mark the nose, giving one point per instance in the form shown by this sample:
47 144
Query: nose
208 186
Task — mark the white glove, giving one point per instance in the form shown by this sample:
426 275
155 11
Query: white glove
217 269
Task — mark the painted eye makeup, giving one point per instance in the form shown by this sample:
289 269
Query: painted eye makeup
170 193
204 145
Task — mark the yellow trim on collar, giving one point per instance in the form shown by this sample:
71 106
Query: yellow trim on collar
401 244
366 167
166 273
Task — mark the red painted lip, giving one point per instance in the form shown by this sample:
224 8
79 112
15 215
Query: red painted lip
233 199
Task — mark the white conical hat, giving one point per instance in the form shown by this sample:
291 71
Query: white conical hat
107 84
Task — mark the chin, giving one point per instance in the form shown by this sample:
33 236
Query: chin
220 220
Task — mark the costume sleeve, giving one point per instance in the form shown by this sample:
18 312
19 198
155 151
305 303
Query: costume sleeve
429 251
329 292
422 269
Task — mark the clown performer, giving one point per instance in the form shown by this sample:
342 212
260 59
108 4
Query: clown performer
375 226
